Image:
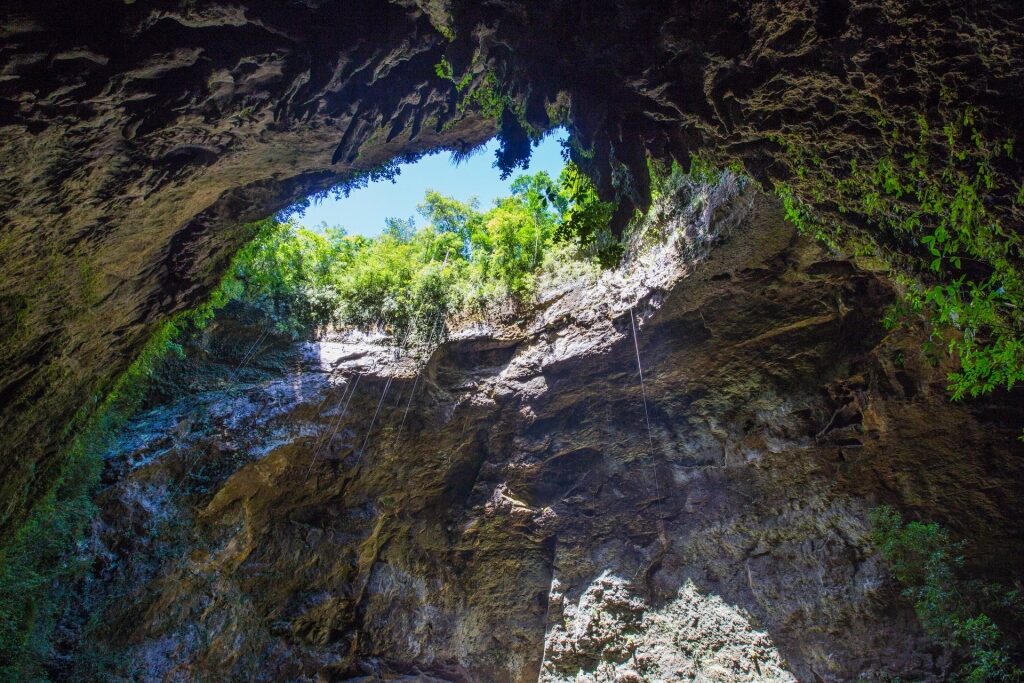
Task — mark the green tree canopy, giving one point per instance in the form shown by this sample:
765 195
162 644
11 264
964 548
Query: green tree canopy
409 280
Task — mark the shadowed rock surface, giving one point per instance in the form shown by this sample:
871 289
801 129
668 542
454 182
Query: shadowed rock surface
136 138
523 523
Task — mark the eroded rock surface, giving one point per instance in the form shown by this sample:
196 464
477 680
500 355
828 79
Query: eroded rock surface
690 637
136 142
137 137
522 523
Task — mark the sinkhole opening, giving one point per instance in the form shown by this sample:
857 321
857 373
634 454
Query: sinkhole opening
409 250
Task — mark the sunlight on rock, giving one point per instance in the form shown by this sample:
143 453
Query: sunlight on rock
612 635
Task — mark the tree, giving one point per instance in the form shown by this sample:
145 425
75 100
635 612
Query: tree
401 229
586 218
446 214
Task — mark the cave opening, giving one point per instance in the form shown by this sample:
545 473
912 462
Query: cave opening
470 178
868 268
406 249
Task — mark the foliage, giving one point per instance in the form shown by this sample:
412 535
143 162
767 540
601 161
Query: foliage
36 568
286 272
587 218
931 197
41 566
664 176
487 96
404 285
929 564
481 89
443 24
411 281
703 171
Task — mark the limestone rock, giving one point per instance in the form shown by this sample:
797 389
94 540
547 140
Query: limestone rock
522 523
137 138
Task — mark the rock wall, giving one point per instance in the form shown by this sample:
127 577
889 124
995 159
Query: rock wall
517 520
136 138
135 143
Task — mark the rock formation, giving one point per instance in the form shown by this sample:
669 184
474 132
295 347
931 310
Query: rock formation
523 522
136 138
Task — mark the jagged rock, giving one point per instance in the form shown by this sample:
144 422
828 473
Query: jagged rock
523 523
137 137
692 637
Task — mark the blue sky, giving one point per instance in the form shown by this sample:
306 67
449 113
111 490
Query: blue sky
363 212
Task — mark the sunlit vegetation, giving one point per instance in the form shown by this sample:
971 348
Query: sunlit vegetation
410 281
953 608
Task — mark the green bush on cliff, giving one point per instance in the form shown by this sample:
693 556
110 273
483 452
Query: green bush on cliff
38 569
41 565
952 608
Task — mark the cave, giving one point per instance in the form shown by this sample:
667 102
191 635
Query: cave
879 147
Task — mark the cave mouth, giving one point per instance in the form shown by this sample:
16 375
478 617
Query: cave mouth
139 139
318 322
408 248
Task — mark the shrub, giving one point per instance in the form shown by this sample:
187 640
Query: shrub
586 218
952 608
929 203
408 281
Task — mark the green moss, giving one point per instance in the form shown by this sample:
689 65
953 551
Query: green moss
41 565
15 316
